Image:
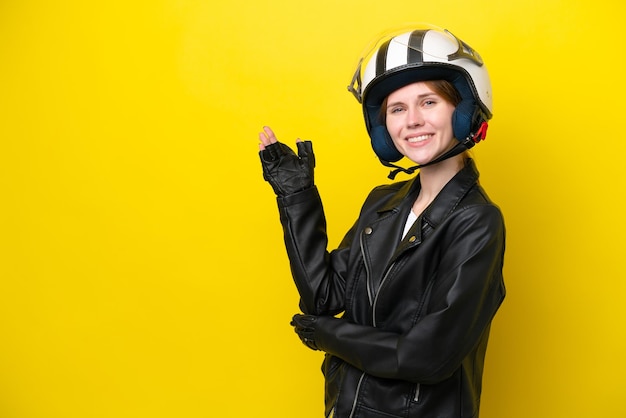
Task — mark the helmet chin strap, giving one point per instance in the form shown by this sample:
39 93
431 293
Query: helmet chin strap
456 150
460 147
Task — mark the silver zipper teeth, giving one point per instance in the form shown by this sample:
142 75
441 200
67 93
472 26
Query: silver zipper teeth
367 270
356 395
378 292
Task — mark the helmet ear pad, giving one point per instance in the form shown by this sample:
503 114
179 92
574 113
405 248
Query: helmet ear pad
466 119
383 144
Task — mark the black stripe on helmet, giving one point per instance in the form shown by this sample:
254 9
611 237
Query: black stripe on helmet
416 46
381 58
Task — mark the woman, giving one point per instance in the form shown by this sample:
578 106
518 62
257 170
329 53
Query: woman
418 278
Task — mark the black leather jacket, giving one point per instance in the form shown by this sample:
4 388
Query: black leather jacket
416 312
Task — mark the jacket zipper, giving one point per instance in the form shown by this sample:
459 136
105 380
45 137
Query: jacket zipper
373 304
368 278
356 395
416 398
367 271
382 282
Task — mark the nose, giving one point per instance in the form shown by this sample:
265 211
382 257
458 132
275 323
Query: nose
414 117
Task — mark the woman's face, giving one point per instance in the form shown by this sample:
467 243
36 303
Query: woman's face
419 122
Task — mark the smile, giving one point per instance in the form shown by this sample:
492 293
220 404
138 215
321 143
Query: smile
420 138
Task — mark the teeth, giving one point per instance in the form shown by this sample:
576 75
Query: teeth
419 138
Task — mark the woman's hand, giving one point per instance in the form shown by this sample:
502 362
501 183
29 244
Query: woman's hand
266 137
286 172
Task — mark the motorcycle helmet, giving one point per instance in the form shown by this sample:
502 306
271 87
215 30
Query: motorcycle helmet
420 53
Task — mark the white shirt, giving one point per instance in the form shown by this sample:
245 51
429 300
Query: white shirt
410 220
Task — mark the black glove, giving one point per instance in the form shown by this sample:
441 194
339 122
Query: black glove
287 172
304 325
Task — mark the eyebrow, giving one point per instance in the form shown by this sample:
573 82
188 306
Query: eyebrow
419 97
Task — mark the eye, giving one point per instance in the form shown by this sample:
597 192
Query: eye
395 109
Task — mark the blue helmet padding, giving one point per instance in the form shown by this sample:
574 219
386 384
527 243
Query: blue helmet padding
464 118
383 144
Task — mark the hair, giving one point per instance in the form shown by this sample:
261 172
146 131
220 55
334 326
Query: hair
443 88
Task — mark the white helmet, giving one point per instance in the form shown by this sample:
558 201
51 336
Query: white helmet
420 53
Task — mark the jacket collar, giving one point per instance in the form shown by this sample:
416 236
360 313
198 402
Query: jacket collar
445 202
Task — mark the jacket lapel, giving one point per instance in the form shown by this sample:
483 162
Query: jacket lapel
443 205
380 239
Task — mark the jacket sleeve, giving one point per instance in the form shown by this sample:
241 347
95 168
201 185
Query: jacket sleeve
319 275
466 294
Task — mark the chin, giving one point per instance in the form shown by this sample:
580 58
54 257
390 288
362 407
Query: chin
420 159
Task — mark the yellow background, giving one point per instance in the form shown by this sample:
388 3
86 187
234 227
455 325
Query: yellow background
142 272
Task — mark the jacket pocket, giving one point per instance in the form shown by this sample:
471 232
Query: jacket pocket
387 398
